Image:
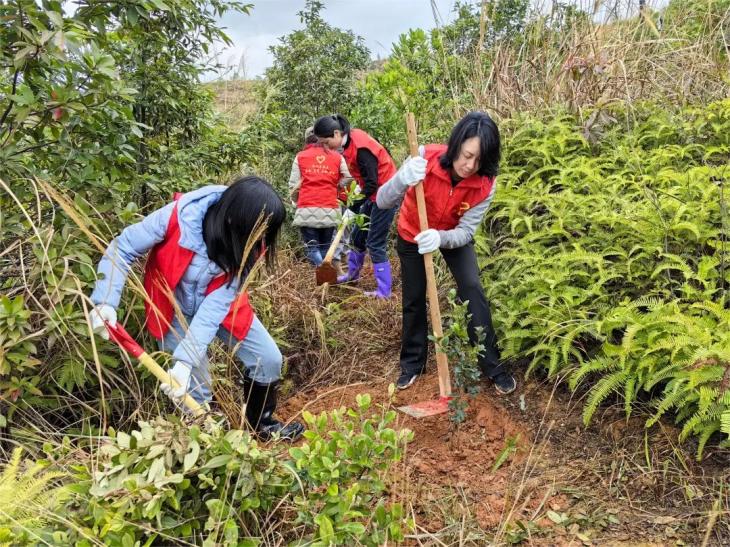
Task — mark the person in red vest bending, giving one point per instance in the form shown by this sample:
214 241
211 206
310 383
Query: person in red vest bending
195 266
316 177
371 165
459 184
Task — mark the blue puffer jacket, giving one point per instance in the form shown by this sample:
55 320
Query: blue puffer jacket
135 241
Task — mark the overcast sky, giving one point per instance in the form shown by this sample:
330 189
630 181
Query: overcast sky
379 22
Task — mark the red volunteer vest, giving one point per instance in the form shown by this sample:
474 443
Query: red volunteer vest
320 172
386 165
444 203
165 267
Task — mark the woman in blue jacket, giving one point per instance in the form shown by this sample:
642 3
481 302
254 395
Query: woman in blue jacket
197 254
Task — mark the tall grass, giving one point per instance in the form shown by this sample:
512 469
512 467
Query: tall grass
615 52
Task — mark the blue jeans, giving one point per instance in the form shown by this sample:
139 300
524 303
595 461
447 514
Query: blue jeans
375 237
258 352
317 242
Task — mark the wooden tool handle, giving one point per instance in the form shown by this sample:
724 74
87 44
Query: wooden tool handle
335 243
151 365
433 297
119 334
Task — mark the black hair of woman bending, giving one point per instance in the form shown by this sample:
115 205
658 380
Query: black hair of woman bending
230 222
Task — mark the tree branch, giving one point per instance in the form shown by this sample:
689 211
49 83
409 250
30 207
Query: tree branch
10 104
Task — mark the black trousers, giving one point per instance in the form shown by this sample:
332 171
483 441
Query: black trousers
462 263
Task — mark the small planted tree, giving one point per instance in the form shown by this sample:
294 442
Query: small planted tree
463 356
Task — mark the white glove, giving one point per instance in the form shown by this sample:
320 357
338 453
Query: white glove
347 216
428 241
98 316
181 373
413 170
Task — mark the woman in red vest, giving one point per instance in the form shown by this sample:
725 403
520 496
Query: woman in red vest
458 183
198 258
316 176
371 165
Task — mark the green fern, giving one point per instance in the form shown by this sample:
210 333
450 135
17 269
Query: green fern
674 396
704 434
601 364
630 390
662 376
72 374
612 252
28 496
602 389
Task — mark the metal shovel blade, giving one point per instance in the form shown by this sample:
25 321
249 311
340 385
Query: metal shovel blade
326 273
427 408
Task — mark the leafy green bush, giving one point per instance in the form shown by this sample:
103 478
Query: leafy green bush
104 104
343 468
681 348
313 74
597 252
462 355
168 481
16 350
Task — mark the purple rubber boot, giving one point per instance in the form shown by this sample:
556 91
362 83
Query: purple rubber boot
383 280
355 260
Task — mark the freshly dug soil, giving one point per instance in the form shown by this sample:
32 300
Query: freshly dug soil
443 453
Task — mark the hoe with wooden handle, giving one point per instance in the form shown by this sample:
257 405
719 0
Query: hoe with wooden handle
326 272
128 344
440 405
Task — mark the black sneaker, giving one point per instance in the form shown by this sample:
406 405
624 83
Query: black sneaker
406 379
504 383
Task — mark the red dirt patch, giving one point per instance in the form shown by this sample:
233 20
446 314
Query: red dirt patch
444 455
566 483
440 448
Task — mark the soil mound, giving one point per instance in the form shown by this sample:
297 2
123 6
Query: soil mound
444 456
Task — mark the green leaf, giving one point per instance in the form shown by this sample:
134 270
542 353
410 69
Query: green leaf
217 461
509 449
157 470
325 531
555 517
159 4
18 60
355 529
56 18
191 457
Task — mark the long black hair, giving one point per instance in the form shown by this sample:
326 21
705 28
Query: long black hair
231 221
475 124
326 126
